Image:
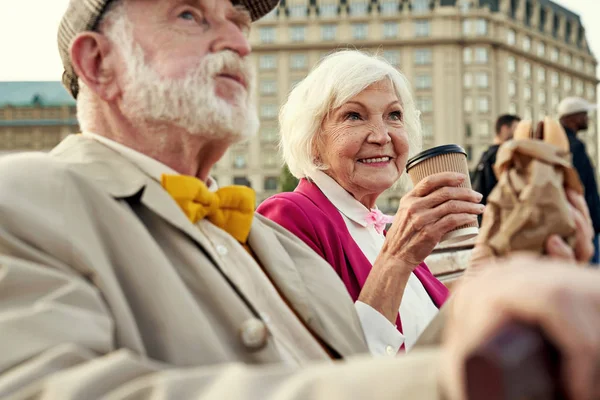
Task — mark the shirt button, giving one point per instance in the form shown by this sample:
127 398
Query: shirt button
254 334
222 250
390 351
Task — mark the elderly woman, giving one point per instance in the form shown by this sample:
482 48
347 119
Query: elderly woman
347 131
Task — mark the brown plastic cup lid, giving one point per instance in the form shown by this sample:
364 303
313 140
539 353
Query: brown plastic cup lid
433 152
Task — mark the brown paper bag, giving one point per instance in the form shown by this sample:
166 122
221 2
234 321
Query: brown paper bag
529 203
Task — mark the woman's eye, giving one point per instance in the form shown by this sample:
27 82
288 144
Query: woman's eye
353 116
396 116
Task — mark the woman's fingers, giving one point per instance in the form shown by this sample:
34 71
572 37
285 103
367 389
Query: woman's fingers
578 201
446 224
429 216
436 181
445 194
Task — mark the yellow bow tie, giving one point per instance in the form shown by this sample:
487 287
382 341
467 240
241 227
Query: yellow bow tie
230 208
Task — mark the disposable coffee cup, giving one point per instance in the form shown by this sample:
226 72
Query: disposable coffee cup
447 158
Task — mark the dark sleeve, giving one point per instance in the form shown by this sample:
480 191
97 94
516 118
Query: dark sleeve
293 217
584 167
484 179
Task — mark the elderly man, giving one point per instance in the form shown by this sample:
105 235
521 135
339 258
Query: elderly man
127 274
573 114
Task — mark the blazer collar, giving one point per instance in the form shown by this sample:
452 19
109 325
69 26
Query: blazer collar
122 179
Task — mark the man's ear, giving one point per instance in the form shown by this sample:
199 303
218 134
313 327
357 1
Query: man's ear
95 61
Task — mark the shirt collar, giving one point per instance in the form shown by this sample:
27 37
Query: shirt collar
340 198
151 167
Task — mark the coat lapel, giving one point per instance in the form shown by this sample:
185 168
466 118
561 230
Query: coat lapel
122 179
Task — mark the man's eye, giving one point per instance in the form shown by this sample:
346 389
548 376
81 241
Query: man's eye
187 15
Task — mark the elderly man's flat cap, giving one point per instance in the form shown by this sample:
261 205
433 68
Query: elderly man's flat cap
84 15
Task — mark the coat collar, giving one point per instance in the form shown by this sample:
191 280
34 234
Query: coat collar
122 179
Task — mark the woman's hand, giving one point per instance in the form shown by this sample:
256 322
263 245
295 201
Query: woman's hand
436 206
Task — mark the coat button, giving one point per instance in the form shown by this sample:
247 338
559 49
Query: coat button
390 351
254 334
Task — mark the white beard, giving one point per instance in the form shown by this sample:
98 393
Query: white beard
191 102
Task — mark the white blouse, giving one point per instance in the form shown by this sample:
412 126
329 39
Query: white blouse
416 309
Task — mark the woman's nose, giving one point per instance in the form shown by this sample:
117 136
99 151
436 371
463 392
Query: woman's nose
379 134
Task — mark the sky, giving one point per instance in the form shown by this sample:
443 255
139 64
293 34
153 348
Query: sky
28 50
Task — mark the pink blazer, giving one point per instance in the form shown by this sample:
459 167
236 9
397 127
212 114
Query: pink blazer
308 213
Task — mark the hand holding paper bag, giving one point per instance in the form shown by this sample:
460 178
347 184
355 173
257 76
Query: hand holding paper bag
536 201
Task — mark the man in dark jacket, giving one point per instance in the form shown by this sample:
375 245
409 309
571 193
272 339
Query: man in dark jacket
573 114
484 178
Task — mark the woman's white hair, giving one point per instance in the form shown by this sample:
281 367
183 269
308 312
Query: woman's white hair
333 82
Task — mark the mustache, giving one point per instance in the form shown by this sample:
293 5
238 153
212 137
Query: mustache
227 63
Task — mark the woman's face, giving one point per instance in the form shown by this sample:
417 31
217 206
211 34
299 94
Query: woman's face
364 142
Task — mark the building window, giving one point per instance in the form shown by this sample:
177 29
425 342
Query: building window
466 27
528 114
427 130
390 30
268 134
591 69
567 83
527 70
554 54
423 81
568 60
511 37
483 128
483 104
297 33
329 10
554 79
298 61
420 6
468 80
482 80
388 7
591 92
526 43
480 27
271 15
424 104
512 108
271 183
512 65
268 111
512 88
541 75
467 55
423 56
328 32
542 96
541 49
578 88
267 34
267 62
360 31
468 104
392 56
481 55
241 181
422 28
579 64
527 92
239 161
359 8
268 87
270 159
298 11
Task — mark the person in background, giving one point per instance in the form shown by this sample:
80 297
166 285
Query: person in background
573 115
484 178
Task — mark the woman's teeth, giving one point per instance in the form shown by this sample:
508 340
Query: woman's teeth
375 160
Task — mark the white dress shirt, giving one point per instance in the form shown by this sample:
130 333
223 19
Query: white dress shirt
292 339
417 308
